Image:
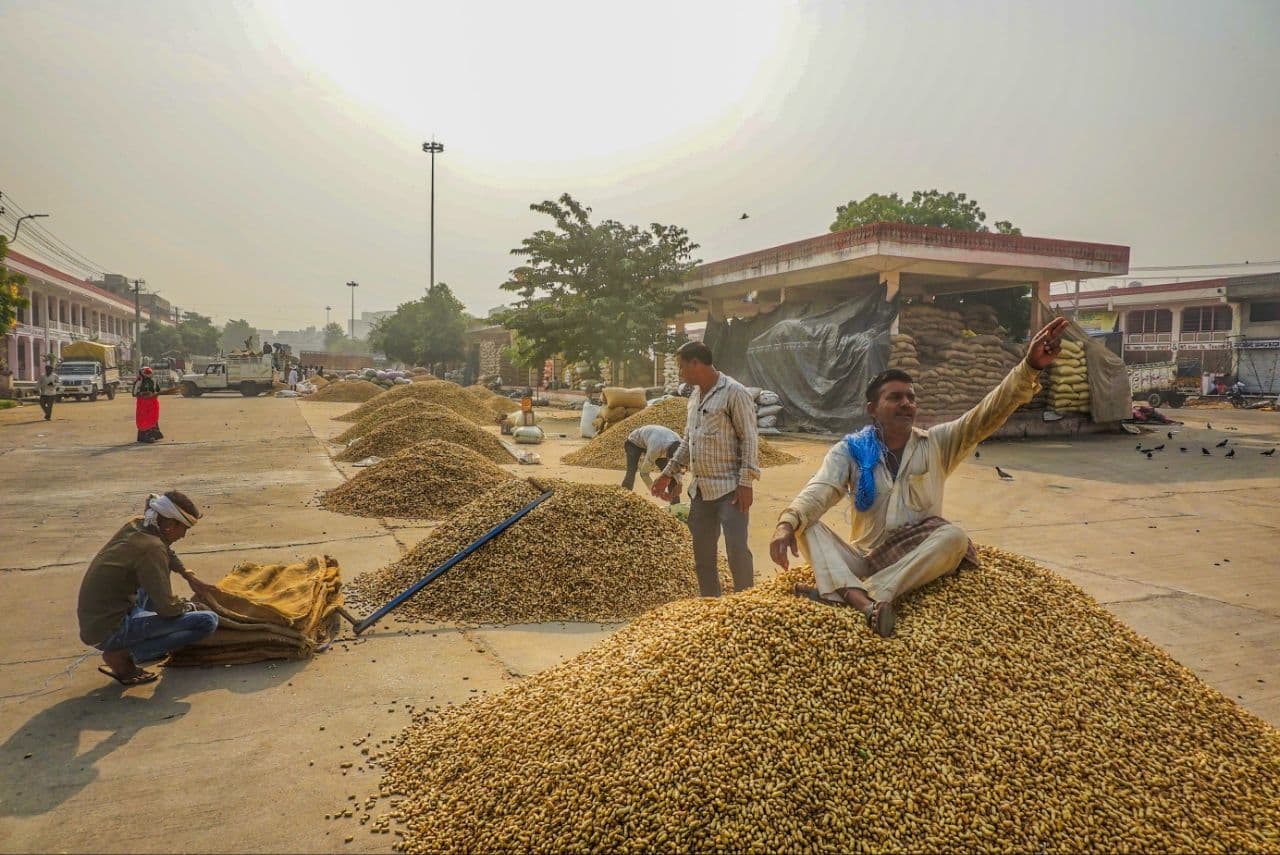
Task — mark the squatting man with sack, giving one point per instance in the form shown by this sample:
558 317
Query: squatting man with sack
127 608
893 474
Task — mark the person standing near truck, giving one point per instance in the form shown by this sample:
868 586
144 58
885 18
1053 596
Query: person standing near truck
47 386
146 408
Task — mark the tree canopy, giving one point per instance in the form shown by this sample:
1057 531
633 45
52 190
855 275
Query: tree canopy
234 333
11 299
925 208
947 211
596 291
430 331
336 340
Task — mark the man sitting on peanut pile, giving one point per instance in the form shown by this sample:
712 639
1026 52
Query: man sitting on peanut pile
127 608
894 475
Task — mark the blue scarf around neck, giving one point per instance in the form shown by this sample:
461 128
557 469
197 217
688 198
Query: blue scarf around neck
867 450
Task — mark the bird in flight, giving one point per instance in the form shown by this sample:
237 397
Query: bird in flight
1004 476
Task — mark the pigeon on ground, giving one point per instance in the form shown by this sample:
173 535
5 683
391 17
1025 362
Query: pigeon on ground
1205 451
1149 455
1182 448
1170 434
1138 446
1004 476
1231 453
1208 425
1268 452
1159 447
976 454
1222 444
1141 450
743 217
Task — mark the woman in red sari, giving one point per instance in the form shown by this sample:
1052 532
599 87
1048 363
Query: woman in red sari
147 407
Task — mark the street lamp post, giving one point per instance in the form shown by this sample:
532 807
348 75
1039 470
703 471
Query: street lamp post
137 321
18 226
352 330
326 315
433 148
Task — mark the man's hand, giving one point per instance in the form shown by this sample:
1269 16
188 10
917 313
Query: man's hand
1047 344
663 487
742 498
197 587
784 539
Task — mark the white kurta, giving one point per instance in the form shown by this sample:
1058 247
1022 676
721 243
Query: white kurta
917 492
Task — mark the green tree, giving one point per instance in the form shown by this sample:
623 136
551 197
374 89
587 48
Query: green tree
234 334
11 299
946 211
596 292
430 331
159 339
925 208
198 335
334 335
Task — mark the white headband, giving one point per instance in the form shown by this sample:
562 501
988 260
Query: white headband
163 506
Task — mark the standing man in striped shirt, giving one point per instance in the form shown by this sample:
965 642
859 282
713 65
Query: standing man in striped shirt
720 448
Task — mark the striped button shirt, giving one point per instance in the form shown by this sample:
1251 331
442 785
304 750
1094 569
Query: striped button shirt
720 446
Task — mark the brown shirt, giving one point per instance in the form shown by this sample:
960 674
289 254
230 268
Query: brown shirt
134 558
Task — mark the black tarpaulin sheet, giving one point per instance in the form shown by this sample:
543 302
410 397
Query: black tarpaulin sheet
819 361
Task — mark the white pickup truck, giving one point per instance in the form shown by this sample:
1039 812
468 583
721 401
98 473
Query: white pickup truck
248 375
88 369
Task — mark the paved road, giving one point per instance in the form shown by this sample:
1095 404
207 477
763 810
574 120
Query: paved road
1181 547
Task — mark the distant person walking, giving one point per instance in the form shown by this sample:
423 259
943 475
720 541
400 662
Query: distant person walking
146 408
720 448
48 388
293 378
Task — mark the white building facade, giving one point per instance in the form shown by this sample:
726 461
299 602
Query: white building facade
62 309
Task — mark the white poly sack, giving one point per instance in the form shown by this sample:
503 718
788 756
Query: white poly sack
767 422
768 431
768 399
754 391
589 413
528 435
771 410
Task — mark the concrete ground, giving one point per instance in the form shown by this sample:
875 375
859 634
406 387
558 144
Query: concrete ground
1182 547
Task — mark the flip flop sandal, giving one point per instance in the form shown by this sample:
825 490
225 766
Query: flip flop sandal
881 618
139 679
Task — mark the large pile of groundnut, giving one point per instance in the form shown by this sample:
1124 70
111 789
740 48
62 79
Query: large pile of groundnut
391 436
605 450
431 391
427 480
394 410
1010 713
499 404
346 392
588 553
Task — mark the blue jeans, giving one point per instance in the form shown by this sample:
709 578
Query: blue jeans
148 637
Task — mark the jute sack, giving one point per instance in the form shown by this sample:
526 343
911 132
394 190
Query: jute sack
617 396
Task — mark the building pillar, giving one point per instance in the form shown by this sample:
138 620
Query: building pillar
12 358
892 282
1039 306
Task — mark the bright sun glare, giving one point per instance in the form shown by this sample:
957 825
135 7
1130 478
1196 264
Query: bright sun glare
545 81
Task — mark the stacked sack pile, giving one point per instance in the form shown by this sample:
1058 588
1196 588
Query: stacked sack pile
1069 379
902 353
670 373
968 369
932 330
619 403
768 410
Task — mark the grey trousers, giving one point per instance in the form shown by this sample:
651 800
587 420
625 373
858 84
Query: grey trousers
706 520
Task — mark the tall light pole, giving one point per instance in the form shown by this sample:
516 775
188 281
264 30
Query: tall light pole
137 321
351 332
326 315
18 226
433 148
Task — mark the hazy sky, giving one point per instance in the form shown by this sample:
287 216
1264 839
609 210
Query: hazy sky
249 158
